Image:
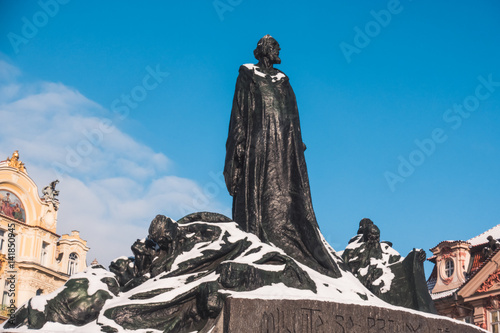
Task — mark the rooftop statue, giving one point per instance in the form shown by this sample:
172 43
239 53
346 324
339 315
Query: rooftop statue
265 168
50 193
15 162
492 246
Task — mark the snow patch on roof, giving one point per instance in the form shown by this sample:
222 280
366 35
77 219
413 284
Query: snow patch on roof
443 294
482 238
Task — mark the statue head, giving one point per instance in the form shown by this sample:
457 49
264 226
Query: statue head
370 232
267 51
163 231
364 224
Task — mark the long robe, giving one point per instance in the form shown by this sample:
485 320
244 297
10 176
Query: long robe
265 168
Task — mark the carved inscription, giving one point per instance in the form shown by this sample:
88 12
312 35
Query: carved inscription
309 316
308 320
344 324
304 320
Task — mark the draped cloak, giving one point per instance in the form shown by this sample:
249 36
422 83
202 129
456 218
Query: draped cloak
265 168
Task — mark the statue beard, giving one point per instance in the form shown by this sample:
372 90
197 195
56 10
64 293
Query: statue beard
275 59
270 60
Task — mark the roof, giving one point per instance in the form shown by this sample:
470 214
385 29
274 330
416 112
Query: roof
482 263
477 263
482 238
476 240
478 260
450 242
431 282
443 294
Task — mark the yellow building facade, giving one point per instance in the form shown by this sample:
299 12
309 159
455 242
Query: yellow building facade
34 259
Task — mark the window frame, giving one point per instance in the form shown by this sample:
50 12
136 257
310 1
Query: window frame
73 263
449 271
5 294
495 324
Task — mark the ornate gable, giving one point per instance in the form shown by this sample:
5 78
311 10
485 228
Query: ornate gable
486 279
20 200
492 281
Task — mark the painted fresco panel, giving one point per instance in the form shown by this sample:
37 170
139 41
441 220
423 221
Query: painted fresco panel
11 206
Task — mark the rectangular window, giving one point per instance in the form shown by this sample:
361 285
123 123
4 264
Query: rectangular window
495 321
5 296
2 240
44 253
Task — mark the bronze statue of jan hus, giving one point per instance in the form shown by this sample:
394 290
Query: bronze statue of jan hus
265 168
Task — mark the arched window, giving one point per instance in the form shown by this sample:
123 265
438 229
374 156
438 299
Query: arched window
449 267
73 264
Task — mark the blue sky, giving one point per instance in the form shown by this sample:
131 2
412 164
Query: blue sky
128 104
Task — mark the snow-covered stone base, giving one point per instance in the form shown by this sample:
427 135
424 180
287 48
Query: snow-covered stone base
203 276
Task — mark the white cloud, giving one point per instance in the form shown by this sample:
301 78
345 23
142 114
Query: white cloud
111 185
8 72
8 92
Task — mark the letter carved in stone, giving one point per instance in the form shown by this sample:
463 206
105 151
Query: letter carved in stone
345 324
267 324
411 328
311 321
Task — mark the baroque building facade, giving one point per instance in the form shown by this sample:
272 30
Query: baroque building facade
34 259
465 281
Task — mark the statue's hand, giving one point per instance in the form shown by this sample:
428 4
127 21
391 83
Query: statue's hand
421 256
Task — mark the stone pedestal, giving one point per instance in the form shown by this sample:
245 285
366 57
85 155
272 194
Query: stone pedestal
310 316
